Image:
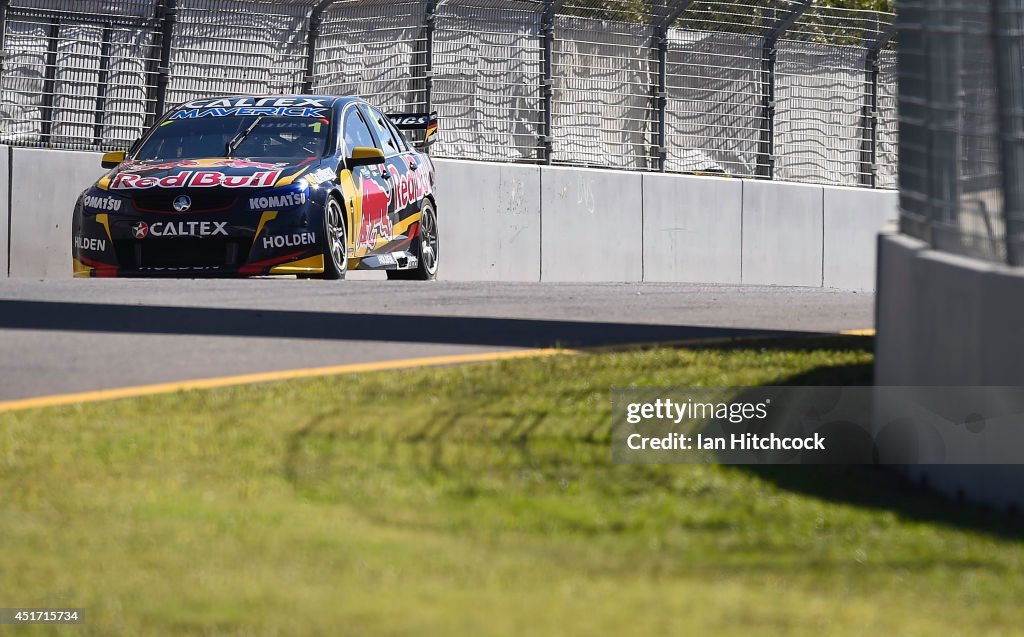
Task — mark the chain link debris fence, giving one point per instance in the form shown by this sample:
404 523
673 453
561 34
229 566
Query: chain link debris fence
776 89
961 122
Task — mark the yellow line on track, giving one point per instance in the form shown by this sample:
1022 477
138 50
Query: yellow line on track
268 377
356 368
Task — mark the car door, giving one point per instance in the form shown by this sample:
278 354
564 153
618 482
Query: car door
401 166
370 222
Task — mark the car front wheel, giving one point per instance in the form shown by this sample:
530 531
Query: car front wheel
335 241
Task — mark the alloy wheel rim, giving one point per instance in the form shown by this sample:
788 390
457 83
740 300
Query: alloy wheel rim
336 232
428 245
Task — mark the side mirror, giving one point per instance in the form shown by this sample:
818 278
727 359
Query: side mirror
113 158
364 156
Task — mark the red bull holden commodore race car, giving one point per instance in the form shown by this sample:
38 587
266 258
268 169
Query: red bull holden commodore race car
256 185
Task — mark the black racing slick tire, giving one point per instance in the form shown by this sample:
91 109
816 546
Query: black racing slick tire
425 247
335 241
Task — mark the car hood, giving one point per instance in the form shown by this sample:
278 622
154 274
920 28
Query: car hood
135 175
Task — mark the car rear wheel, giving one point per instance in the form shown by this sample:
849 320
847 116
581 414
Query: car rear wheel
335 241
425 248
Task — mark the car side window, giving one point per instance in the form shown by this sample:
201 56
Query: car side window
397 134
387 138
357 133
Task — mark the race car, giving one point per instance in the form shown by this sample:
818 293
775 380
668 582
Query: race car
263 185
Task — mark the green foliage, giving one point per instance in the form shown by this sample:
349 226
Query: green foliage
888 6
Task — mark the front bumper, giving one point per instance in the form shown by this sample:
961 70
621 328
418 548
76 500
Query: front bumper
137 244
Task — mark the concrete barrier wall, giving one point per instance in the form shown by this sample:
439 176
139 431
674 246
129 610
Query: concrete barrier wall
947 320
44 187
782 234
591 225
504 222
490 228
693 229
685 228
5 208
852 219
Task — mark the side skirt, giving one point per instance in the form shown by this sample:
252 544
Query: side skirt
389 261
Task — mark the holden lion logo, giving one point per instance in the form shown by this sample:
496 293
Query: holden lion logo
140 230
182 203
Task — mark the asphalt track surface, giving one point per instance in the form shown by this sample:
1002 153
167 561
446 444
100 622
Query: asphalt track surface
82 335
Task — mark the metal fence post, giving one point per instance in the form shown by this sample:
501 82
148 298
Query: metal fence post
429 19
672 12
547 82
50 80
167 15
661 98
769 54
102 82
944 57
316 18
869 128
1008 49
4 5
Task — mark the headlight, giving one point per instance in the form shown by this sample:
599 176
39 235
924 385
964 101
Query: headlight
283 198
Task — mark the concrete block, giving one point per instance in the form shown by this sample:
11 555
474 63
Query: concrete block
5 210
44 187
931 315
782 230
949 321
972 337
489 221
591 225
853 217
895 309
692 228
1003 340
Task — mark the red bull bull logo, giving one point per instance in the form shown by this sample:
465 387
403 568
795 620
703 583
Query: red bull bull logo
375 223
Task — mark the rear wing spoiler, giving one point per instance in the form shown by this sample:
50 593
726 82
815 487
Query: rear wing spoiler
416 122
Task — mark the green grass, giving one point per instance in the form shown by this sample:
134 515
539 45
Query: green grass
476 501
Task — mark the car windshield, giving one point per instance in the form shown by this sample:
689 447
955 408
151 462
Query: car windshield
270 136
